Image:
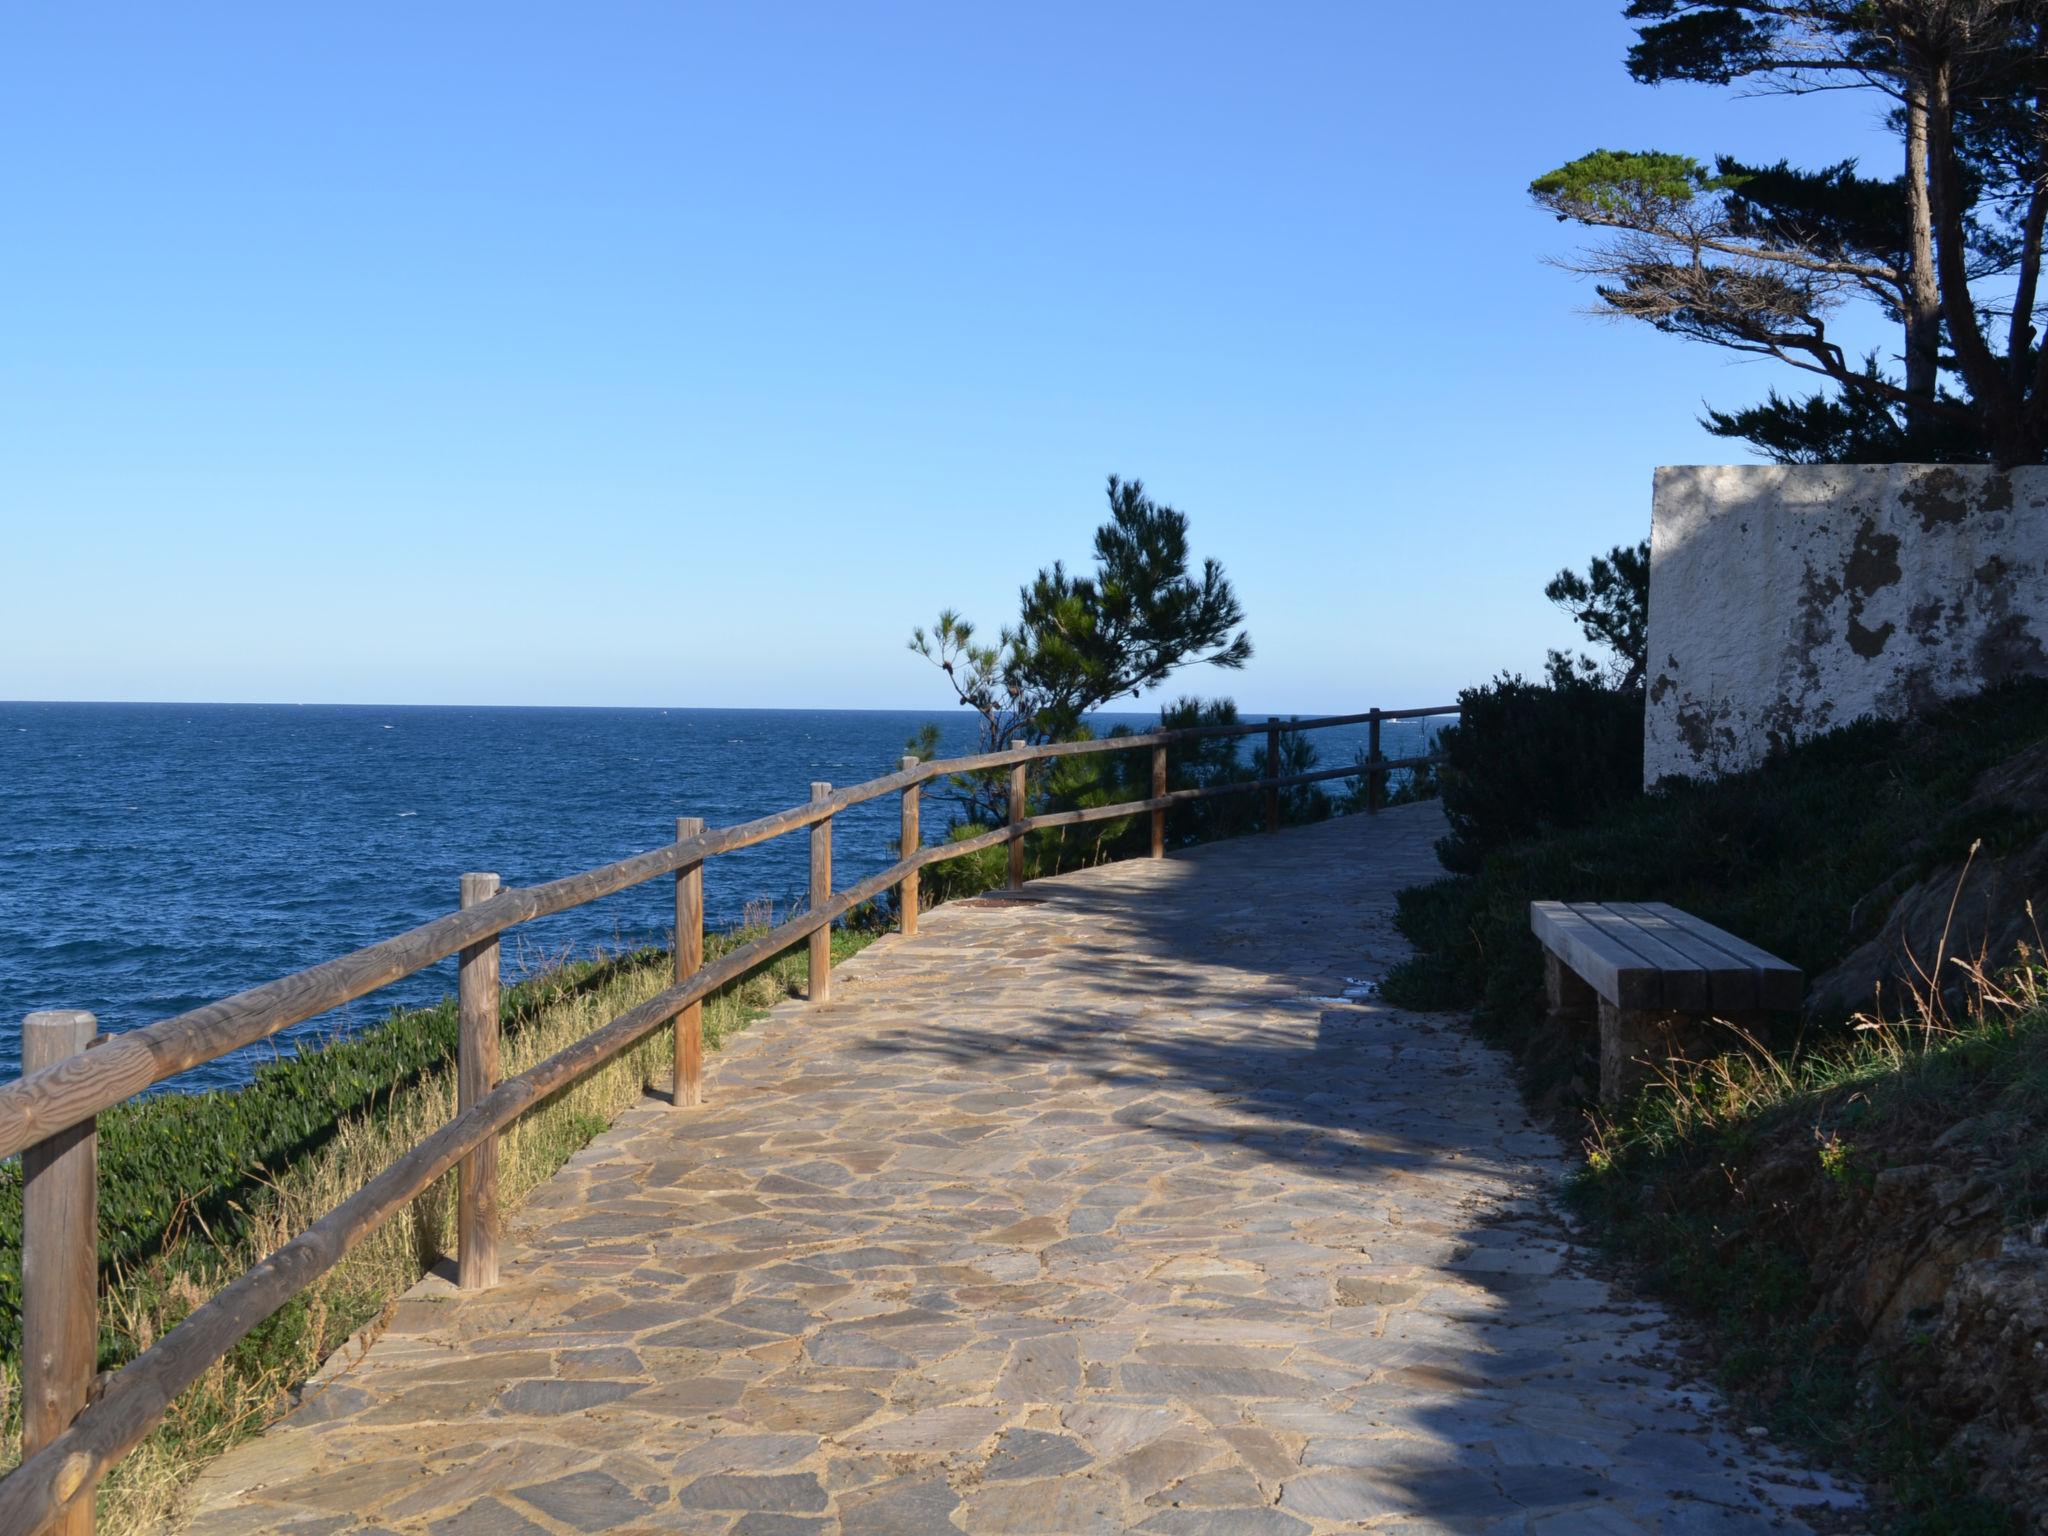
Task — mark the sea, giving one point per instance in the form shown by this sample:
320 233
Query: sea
155 857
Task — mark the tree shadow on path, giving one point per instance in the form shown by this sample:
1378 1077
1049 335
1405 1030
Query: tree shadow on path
1225 998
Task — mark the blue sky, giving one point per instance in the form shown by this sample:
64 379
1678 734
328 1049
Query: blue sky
689 355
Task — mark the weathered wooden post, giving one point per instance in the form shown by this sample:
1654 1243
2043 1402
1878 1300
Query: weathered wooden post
821 896
687 1084
911 840
476 1074
1375 776
1017 792
59 1260
1272 772
1159 792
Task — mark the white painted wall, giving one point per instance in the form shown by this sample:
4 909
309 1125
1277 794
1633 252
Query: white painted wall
1788 599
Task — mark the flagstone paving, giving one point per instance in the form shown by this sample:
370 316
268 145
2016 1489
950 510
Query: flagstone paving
1123 1206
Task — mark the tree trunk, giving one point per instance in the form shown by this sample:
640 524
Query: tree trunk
2032 381
1991 391
1923 297
2019 344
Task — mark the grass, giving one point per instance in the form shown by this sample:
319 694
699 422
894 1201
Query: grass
260 1194
1739 1185
1727 1181
1781 855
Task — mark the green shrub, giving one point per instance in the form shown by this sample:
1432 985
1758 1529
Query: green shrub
968 875
972 803
1779 855
1527 758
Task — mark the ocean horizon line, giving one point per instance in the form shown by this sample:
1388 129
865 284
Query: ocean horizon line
661 709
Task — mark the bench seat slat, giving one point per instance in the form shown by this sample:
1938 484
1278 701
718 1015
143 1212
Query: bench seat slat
1607 965
1683 985
1780 986
1732 983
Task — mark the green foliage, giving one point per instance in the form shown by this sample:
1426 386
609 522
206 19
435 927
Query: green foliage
1717 42
1611 606
181 1165
1758 258
1405 787
1832 208
1223 760
1613 183
1116 778
1528 758
1779 855
1083 641
1845 427
1687 40
968 875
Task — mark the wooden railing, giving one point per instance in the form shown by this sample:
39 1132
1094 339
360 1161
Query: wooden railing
71 1073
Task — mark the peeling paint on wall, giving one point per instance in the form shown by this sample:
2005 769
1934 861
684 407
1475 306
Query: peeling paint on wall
1788 599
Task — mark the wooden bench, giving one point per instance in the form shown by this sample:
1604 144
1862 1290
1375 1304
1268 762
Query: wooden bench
1658 977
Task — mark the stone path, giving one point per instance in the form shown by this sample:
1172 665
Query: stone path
1120 1207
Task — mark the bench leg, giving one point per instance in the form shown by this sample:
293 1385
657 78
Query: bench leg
1573 1008
1568 996
1635 1043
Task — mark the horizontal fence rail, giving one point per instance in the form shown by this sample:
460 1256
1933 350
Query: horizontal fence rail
49 1113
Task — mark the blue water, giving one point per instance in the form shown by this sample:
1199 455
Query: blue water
154 857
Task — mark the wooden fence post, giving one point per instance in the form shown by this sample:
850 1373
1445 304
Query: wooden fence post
1018 791
912 840
60 1261
686 1086
821 895
1272 772
1376 776
1158 790
476 1074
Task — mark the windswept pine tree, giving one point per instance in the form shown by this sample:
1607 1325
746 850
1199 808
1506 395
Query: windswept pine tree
1081 642
1759 258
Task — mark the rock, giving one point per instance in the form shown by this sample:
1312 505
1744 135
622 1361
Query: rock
1961 1134
1986 1370
2020 783
586 1501
787 1493
1967 907
1033 1453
